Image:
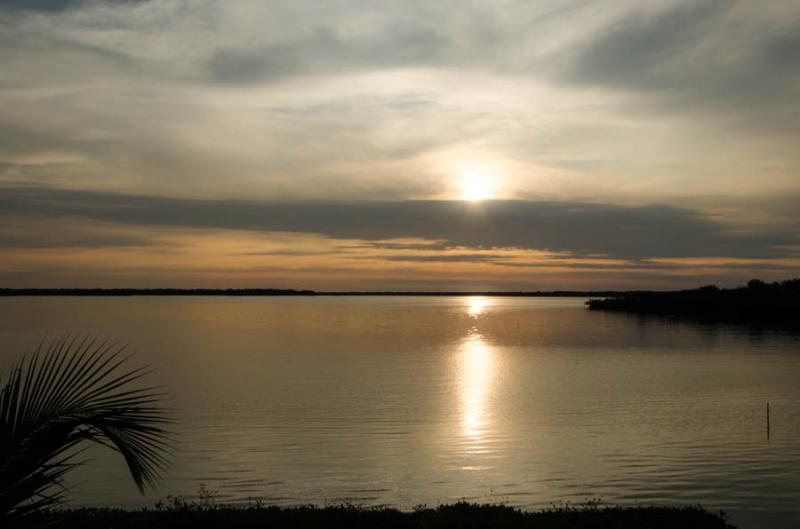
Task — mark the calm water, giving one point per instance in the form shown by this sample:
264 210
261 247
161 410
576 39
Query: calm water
405 401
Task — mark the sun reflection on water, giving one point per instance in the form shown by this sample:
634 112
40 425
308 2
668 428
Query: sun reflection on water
476 305
476 374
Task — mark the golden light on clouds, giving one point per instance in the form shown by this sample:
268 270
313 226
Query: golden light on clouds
96 254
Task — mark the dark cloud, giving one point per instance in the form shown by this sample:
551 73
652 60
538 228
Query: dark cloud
446 258
504 260
572 263
294 253
637 51
383 245
323 51
61 238
580 228
33 231
52 5
698 55
40 5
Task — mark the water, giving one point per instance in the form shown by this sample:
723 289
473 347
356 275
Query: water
415 400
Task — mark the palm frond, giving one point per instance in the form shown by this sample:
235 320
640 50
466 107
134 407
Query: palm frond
74 391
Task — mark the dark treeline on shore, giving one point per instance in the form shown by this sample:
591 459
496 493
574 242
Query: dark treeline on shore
756 302
455 516
278 292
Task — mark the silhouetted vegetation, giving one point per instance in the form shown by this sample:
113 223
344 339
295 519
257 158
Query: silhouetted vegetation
57 399
458 515
757 302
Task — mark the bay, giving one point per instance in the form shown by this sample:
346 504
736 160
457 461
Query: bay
422 400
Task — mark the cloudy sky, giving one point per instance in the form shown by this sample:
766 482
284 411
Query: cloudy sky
377 144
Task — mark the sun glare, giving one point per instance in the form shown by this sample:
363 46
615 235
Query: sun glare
476 181
474 190
476 375
476 305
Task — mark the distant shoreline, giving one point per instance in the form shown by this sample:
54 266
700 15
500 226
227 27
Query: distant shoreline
83 292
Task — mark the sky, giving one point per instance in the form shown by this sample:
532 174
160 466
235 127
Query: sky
399 145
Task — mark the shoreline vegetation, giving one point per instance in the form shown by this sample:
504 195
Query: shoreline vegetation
756 303
755 298
180 514
68 394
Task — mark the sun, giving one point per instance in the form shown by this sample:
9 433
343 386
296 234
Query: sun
476 181
474 190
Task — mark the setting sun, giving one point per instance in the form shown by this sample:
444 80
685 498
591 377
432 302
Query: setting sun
476 181
474 190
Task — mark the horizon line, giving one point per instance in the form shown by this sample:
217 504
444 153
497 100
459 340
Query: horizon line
258 291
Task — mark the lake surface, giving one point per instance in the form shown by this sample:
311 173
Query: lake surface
423 400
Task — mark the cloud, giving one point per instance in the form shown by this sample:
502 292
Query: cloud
26 235
639 50
616 100
447 258
578 228
40 5
714 56
323 51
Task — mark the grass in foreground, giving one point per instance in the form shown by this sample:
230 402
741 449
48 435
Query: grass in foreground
458 515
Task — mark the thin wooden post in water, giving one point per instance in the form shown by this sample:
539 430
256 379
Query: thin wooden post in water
767 420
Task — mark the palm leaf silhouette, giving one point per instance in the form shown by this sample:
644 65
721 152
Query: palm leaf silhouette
75 390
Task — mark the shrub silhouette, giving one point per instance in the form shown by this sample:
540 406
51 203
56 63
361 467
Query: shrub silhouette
74 391
758 302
